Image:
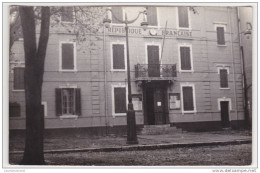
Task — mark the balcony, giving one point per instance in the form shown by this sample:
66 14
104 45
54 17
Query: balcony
155 71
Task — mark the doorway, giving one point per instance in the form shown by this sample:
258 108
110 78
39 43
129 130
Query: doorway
155 105
224 106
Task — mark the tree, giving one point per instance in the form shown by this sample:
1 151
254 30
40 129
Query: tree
87 20
34 68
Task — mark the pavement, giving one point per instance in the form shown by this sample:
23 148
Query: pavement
85 143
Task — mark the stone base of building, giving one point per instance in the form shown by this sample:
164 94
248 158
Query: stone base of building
208 125
122 130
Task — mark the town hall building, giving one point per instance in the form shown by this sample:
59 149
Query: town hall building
185 68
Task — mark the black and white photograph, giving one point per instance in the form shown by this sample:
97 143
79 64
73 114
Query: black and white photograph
130 85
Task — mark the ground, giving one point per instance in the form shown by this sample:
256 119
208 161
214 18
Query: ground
214 155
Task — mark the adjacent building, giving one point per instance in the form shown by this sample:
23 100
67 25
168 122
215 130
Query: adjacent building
186 71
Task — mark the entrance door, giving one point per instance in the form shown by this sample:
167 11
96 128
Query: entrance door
159 106
153 61
155 106
225 113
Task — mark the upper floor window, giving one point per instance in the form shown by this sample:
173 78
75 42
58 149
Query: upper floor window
68 59
118 60
223 74
68 101
18 78
117 13
220 35
183 16
152 16
185 58
67 14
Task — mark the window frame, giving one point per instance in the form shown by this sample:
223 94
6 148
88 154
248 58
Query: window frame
112 57
63 116
224 68
191 57
158 20
73 14
113 99
110 16
74 56
194 98
146 50
223 25
178 23
20 112
13 89
225 99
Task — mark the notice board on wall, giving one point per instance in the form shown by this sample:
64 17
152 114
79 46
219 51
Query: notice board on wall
174 101
137 102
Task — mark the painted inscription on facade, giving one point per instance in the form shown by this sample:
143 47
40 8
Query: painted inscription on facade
120 30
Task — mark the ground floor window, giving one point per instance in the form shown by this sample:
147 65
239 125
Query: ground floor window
18 78
68 101
14 110
188 98
119 102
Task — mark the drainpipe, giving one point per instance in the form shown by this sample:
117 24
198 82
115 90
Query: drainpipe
105 75
233 63
247 123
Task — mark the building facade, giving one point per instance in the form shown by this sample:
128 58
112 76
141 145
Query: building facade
186 71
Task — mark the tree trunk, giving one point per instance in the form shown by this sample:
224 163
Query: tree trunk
34 69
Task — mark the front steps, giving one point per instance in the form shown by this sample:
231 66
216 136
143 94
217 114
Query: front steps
159 129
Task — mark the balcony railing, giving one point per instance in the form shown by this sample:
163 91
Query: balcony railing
151 71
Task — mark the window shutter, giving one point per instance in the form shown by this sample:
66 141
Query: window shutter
183 17
19 78
188 99
58 101
221 35
78 102
152 16
67 14
223 78
120 100
67 56
185 58
118 12
14 109
118 56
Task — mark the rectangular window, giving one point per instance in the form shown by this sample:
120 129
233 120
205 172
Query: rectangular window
118 57
67 14
220 35
185 57
183 16
68 101
119 100
152 16
117 13
14 110
188 98
67 56
223 78
18 78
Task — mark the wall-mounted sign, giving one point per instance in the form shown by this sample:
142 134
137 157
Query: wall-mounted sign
137 102
174 101
120 30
